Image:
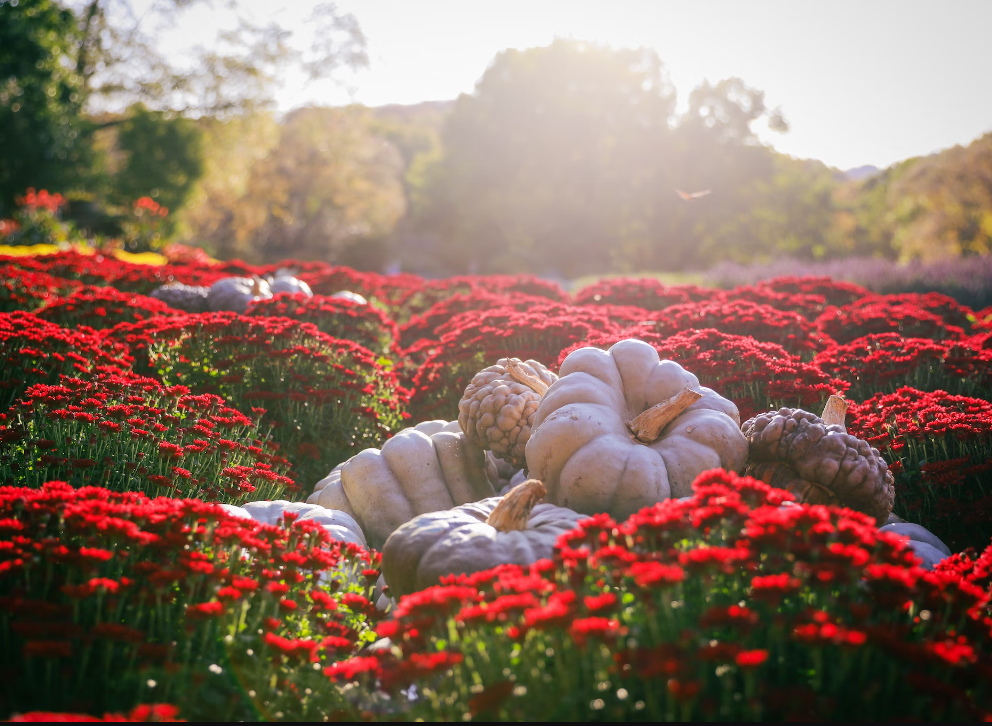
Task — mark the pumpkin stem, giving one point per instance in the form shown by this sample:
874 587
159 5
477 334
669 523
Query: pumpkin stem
520 374
835 412
648 425
514 510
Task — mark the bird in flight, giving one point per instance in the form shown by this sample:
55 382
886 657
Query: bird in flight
690 196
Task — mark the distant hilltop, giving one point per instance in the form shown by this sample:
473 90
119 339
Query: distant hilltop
861 172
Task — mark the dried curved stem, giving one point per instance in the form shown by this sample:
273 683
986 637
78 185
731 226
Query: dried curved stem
513 512
648 425
825 492
835 412
518 371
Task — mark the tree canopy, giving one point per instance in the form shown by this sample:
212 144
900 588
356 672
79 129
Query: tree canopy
568 159
72 70
41 98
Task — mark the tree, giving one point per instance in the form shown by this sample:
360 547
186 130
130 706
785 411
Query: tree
65 64
931 207
119 64
163 158
41 99
727 109
787 213
232 146
328 185
545 165
567 158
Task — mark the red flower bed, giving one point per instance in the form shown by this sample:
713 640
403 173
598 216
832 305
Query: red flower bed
970 567
885 314
103 307
89 269
103 270
755 376
430 293
35 351
420 330
29 290
108 600
521 285
390 290
952 312
836 292
473 340
129 433
366 325
742 317
809 305
424 330
185 255
940 449
145 278
326 399
885 362
153 713
420 299
722 605
642 292
240 268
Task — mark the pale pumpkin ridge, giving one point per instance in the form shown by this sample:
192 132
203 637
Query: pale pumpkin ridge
623 383
513 512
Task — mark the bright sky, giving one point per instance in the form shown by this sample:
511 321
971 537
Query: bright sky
859 82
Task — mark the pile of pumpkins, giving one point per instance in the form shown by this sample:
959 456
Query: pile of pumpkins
532 454
237 293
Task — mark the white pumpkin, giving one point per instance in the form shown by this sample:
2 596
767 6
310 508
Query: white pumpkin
340 525
927 546
426 468
236 293
353 296
621 430
514 529
284 281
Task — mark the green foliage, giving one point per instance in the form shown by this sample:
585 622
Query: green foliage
164 158
41 98
932 207
567 159
546 156
788 212
328 184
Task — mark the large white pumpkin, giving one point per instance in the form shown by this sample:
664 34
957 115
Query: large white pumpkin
427 468
588 450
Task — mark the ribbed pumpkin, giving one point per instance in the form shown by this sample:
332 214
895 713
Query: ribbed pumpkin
426 468
622 429
515 529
